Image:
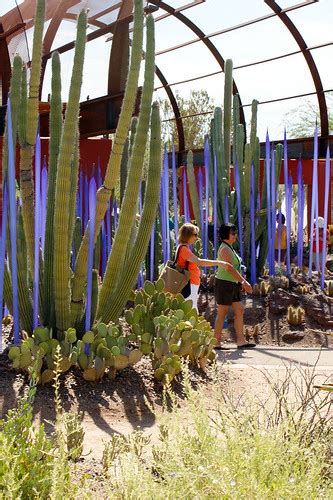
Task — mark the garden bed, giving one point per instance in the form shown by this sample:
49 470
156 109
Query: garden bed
270 314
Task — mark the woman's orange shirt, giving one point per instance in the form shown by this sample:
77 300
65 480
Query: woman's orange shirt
184 254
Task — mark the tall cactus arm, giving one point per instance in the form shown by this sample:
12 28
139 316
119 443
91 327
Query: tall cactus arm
218 150
128 147
29 106
55 136
240 138
62 194
256 164
139 250
112 173
22 124
235 123
117 257
15 91
8 289
193 190
253 135
73 192
24 294
34 83
227 110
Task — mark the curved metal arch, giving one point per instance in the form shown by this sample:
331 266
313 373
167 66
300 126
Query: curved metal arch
209 44
175 108
324 126
51 33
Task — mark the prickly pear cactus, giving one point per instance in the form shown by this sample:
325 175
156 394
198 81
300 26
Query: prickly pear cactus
37 354
168 329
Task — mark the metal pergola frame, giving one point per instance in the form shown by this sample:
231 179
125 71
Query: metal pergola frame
57 11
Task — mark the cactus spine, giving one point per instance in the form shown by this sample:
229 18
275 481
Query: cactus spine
112 172
55 136
62 194
128 210
148 216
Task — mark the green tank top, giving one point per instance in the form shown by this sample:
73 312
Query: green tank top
223 274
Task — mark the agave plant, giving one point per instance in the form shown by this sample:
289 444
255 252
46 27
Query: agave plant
62 284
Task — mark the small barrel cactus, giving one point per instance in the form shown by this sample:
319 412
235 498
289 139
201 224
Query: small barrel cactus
330 288
295 315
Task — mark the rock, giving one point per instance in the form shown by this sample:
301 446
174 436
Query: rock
292 336
319 309
279 301
254 311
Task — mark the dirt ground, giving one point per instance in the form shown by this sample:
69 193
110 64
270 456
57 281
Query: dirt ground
265 318
134 399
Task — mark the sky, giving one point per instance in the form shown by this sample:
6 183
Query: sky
285 77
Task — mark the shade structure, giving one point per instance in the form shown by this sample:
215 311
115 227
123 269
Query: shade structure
287 42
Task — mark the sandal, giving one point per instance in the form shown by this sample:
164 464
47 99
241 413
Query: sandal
249 345
219 347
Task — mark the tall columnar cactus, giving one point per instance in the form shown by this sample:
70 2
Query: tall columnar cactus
15 91
55 136
151 201
227 114
193 190
116 260
246 155
112 172
24 294
63 184
29 105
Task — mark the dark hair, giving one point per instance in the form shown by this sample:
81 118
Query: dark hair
283 219
224 230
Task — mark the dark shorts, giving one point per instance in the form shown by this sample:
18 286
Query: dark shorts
227 292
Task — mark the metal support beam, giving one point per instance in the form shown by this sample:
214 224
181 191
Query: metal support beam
324 127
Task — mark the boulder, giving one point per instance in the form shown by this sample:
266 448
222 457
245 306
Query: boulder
279 300
292 336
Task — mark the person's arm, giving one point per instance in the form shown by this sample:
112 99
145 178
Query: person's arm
225 255
209 263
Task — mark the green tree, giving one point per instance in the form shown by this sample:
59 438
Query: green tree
301 121
195 127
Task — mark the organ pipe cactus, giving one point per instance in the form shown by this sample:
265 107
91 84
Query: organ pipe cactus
112 172
15 90
61 266
55 136
150 205
246 155
59 289
116 260
29 105
193 190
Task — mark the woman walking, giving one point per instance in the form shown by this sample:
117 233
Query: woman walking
229 285
186 259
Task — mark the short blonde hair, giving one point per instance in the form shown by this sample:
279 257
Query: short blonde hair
186 231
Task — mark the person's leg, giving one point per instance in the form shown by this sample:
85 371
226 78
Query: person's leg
194 296
239 322
221 313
